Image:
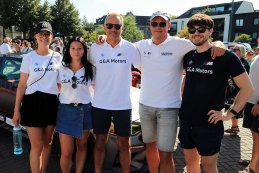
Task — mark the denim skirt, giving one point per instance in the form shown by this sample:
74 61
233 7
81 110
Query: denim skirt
73 120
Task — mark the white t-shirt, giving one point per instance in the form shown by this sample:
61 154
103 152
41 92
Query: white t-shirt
35 65
254 76
81 93
162 67
5 48
26 50
113 74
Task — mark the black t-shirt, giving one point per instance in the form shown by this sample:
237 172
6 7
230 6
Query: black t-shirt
232 88
205 84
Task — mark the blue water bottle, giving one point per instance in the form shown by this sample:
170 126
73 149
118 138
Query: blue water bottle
17 140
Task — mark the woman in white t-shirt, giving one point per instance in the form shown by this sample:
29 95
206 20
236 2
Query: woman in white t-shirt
36 101
74 113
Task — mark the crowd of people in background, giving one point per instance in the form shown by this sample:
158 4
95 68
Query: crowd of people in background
18 46
164 58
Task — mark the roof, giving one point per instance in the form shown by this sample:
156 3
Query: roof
215 9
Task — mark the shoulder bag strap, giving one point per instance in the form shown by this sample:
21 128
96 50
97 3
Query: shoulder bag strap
44 71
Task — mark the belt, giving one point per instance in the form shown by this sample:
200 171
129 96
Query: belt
75 104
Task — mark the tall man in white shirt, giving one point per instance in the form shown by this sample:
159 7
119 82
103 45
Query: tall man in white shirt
111 100
160 100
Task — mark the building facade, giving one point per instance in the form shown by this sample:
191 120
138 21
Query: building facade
245 20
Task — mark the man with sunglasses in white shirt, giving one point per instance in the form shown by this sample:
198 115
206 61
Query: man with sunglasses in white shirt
111 101
201 115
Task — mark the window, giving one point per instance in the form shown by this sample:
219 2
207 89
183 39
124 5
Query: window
219 9
239 22
174 26
254 35
237 34
182 25
256 21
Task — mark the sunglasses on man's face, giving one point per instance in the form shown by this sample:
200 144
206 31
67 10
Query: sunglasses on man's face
110 26
236 49
44 33
74 84
201 29
160 24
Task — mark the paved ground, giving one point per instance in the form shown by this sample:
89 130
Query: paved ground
233 149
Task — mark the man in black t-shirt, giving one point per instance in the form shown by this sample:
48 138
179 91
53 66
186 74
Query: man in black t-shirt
201 118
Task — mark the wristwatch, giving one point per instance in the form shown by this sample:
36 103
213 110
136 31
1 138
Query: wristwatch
235 113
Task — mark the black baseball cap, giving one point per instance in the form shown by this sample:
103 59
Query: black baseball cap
43 26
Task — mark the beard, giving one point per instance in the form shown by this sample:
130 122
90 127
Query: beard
198 42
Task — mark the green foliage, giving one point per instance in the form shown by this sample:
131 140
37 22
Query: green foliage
100 30
20 13
130 31
243 38
173 17
9 13
183 33
28 15
65 18
88 31
45 12
87 26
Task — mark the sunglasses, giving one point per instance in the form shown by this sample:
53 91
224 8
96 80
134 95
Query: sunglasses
160 24
74 84
236 50
45 34
110 26
201 29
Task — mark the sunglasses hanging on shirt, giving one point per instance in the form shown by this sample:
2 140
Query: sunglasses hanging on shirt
74 84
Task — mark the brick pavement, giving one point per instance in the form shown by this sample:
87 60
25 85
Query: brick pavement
233 149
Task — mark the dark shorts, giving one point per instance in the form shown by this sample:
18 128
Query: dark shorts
250 121
72 120
102 119
39 109
207 140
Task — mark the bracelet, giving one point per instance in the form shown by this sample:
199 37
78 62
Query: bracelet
235 113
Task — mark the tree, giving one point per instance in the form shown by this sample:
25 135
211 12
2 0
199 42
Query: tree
173 17
19 13
8 13
183 33
100 30
131 32
45 12
65 18
87 26
27 16
243 38
88 30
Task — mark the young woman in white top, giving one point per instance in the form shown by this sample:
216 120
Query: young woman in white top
74 113
36 98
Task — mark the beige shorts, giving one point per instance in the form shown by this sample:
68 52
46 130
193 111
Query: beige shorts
159 125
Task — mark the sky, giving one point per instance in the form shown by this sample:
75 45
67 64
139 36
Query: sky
93 9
